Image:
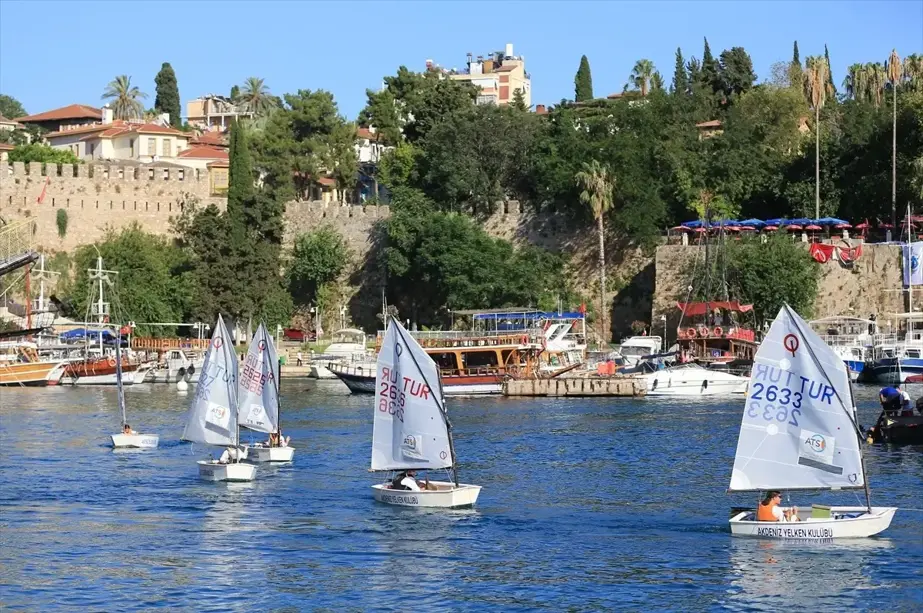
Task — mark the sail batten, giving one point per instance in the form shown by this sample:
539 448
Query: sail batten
212 416
258 391
410 429
798 430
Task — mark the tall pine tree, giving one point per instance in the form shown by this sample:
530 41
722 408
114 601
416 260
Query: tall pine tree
795 73
583 82
830 82
711 77
519 100
680 77
167 100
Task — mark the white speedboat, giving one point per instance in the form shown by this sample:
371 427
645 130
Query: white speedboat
692 380
440 494
799 431
635 348
411 429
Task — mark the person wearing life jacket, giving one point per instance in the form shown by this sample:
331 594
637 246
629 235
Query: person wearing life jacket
769 509
406 480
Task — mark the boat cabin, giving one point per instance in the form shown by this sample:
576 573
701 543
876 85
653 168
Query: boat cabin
713 333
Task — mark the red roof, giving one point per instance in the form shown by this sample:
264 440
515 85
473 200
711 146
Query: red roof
505 68
204 153
699 308
714 123
212 139
6 147
117 127
328 181
219 164
367 134
71 111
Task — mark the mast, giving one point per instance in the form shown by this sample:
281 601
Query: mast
118 376
910 277
865 480
278 399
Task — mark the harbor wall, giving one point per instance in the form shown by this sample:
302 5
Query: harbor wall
871 285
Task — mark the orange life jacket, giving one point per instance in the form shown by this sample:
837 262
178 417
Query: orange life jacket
764 512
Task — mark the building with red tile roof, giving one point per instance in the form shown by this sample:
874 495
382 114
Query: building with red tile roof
56 119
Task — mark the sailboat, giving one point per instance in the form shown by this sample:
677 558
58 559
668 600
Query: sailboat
800 432
212 417
411 428
131 439
258 392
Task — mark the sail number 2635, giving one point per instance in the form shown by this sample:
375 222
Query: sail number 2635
788 403
391 400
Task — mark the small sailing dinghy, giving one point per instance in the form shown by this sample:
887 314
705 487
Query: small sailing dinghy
411 428
128 439
258 392
799 432
212 417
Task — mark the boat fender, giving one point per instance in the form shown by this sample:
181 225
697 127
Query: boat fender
718 331
181 372
524 340
703 332
191 369
653 387
690 332
705 385
111 361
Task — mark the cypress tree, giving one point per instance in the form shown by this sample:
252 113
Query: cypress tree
167 100
795 74
796 58
240 177
710 75
583 82
830 83
235 92
680 77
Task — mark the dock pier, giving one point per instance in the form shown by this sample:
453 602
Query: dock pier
626 387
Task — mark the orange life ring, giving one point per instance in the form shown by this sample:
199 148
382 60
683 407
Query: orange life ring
690 332
703 332
718 331
111 361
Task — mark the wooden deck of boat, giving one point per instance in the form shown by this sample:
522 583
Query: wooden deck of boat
590 386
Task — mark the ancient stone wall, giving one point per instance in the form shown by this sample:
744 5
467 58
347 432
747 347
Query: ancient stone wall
872 285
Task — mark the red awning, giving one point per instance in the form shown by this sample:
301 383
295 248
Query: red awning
698 308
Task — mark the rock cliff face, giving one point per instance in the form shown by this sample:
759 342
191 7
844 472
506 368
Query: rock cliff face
872 285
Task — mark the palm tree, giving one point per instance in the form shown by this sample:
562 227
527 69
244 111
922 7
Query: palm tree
641 75
895 75
255 97
126 98
856 82
657 81
913 71
596 192
816 84
876 76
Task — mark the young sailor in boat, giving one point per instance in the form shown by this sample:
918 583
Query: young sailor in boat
769 509
126 429
406 480
230 455
277 440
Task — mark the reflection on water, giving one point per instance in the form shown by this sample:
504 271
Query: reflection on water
587 504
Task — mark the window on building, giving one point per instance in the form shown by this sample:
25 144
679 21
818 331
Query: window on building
92 151
167 148
131 147
152 146
219 180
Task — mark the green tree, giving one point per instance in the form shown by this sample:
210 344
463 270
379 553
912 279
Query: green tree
399 167
831 87
61 222
167 95
519 101
318 259
235 93
641 75
381 111
816 86
711 70
583 82
255 98
42 153
771 274
737 73
895 76
125 98
596 186
11 108
680 76
795 75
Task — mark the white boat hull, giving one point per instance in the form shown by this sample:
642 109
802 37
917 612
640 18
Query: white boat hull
855 522
446 495
677 385
135 441
270 454
319 371
128 378
211 470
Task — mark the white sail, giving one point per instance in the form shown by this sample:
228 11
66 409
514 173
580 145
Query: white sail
118 377
410 429
212 417
258 407
798 429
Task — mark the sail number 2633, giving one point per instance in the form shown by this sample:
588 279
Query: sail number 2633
391 400
788 403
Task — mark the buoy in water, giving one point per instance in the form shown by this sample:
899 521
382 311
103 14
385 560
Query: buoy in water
181 385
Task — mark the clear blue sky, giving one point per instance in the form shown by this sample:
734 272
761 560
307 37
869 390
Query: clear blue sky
58 53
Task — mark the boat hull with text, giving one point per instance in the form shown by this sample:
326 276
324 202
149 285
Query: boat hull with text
135 441
452 385
846 522
261 453
212 470
444 495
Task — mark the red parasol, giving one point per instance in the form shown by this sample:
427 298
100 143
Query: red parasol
769 228
747 229
863 226
793 227
732 228
843 226
680 229
813 228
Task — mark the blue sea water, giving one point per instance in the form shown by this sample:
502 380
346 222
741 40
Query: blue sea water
588 504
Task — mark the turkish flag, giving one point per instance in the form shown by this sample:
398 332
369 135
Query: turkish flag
41 197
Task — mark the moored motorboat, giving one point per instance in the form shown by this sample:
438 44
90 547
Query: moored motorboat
897 430
411 429
692 380
799 431
20 365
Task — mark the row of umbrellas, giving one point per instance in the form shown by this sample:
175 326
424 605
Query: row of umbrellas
798 224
